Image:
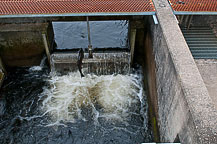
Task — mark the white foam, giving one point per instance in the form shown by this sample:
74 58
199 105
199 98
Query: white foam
35 68
40 67
69 94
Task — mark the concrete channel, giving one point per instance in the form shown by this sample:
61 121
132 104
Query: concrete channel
182 108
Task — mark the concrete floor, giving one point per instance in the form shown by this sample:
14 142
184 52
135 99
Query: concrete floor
208 71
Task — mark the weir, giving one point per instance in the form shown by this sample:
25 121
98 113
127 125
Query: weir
105 51
150 90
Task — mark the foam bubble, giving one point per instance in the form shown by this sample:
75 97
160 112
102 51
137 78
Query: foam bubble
108 96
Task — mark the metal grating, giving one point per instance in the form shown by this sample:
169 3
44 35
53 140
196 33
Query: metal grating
194 5
201 41
21 7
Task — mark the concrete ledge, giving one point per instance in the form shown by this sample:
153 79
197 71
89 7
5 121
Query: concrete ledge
202 116
208 71
100 64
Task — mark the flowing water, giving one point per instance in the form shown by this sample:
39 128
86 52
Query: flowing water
42 107
38 106
104 34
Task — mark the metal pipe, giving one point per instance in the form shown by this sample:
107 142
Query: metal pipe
194 13
77 14
89 41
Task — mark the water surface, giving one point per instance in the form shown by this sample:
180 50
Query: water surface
47 108
104 34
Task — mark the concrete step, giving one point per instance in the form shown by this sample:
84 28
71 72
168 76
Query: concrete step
205 54
200 39
202 45
203 51
197 31
200 36
203 48
201 42
198 28
204 57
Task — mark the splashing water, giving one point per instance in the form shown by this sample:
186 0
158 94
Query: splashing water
40 67
112 97
47 108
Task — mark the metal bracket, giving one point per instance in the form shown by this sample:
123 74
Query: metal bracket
155 19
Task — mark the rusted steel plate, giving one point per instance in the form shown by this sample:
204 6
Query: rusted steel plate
194 5
16 7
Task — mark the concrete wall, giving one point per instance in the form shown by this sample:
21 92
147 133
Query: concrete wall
21 44
208 71
185 109
150 82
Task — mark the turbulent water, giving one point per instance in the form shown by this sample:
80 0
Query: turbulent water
42 107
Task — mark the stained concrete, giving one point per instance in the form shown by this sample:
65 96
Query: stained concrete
208 71
22 44
100 64
184 106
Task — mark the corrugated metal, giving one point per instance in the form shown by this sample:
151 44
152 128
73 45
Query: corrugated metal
194 5
16 7
202 42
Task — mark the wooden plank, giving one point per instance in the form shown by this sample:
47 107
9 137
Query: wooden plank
132 44
2 75
46 47
1 64
2 72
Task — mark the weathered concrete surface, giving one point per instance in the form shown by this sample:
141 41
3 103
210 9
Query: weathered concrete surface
208 71
21 44
150 81
184 106
100 64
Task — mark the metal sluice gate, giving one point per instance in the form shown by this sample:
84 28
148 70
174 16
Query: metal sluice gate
100 61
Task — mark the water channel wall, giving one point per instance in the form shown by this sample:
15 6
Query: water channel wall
180 102
185 111
21 44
